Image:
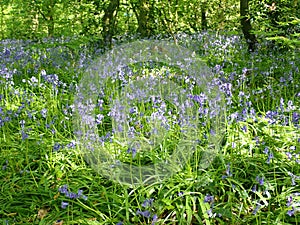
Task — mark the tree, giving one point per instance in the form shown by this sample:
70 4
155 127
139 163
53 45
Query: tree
246 25
109 22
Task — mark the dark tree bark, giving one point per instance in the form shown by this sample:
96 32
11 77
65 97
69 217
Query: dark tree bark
246 25
109 22
203 17
142 11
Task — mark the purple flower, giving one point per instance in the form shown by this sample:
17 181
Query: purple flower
233 144
270 156
154 219
289 155
210 213
71 195
228 172
44 113
289 201
63 189
291 212
244 128
258 205
266 150
146 213
64 204
260 180
57 146
132 151
147 203
99 118
180 194
209 198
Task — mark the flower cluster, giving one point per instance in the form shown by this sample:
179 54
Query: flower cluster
293 202
71 195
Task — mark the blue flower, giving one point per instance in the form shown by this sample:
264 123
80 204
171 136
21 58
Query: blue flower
146 213
270 157
154 219
132 151
147 203
289 201
209 198
64 204
291 212
180 194
258 205
260 180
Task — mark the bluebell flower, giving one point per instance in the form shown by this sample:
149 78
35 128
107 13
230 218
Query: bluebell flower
209 198
132 151
289 155
266 150
63 189
145 213
71 195
258 205
57 146
119 223
180 194
24 135
244 128
233 145
44 112
64 204
289 200
228 172
270 156
154 219
147 203
210 213
260 180
291 212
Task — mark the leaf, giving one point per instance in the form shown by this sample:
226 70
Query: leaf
42 213
56 196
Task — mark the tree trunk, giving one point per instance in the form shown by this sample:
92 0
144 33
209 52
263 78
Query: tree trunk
246 25
142 12
203 17
50 14
109 22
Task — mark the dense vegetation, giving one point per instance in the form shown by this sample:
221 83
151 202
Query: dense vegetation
251 50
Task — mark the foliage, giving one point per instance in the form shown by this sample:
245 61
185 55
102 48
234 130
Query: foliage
253 180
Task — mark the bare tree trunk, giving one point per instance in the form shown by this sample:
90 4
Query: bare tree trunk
203 17
50 14
246 25
142 11
109 21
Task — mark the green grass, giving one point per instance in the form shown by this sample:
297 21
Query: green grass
37 166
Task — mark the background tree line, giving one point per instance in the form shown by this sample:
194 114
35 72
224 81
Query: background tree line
36 19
